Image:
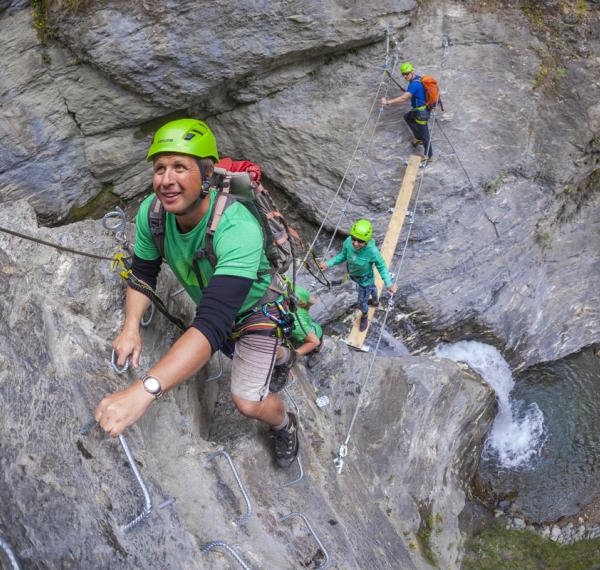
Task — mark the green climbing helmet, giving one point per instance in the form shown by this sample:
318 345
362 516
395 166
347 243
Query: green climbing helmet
362 229
185 136
406 67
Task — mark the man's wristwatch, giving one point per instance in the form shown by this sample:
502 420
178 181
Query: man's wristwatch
152 386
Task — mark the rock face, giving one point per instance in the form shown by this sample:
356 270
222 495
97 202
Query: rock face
65 496
293 85
505 244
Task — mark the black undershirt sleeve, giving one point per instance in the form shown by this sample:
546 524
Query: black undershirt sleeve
221 301
146 270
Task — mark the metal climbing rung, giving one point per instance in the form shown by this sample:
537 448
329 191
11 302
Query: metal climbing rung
310 529
245 517
113 363
5 546
300 474
146 320
114 220
220 373
147 509
287 393
220 544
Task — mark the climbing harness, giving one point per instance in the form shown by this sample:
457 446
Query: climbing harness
312 532
246 516
220 544
5 546
285 322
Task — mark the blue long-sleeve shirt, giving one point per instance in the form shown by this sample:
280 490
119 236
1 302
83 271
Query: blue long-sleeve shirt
360 263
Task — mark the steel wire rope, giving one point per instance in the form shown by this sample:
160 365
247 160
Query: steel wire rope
343 211
54 245
360 166
339 188
10 555
383 82
343 451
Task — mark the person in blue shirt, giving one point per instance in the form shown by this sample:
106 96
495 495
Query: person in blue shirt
418 116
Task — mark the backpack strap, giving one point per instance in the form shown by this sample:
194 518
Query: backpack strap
156 221
223 200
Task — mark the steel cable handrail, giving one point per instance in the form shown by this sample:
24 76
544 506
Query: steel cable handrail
343 451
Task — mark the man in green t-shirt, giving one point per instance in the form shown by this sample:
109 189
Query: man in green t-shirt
183 154
307 333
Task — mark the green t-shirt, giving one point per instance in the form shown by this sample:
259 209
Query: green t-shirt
304 323
237 243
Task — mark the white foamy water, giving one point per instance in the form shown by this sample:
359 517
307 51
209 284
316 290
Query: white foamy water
518 432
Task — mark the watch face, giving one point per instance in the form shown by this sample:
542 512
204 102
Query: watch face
152 385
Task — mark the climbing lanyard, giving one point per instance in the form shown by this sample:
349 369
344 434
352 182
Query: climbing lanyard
319 275
120 265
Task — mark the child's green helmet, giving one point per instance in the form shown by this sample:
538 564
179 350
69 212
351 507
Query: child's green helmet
362 229
406 67
184 136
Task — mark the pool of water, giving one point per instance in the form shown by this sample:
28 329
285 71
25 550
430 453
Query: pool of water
563 474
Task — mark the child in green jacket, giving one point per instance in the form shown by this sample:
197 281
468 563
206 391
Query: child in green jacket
360 253
307 334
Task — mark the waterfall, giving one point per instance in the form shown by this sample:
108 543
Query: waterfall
518 431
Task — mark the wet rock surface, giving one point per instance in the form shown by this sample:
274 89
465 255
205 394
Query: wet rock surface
414 442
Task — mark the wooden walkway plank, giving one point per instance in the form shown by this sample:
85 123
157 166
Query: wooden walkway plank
390 242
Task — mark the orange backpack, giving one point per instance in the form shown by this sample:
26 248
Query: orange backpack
432 92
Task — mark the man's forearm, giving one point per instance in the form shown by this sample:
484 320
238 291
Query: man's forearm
190 353
136 304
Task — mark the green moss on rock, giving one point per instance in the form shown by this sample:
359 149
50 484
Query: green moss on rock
498 548
95 208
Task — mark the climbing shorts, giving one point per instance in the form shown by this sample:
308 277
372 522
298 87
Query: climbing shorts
255 349
253 360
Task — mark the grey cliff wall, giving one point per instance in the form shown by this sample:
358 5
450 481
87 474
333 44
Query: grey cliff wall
65 496
290 86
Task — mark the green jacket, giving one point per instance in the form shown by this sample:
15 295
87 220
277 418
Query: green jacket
304 322
360 263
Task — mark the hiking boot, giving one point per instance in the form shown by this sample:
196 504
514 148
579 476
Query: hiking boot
374 302
416 142
426 160
285 442
281 374
364 322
